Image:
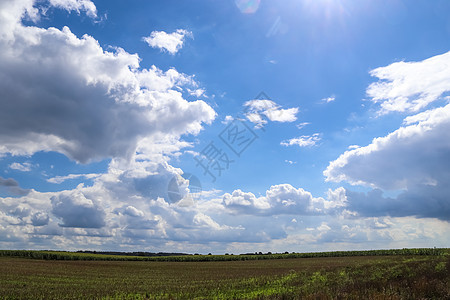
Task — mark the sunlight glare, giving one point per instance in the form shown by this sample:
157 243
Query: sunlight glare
247 6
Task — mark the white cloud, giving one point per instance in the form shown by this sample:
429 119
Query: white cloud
227 120
24 167
73 97
329 99
323 227
410 86
196 92
193 153
301 125
133 211
61 179
206 221
40 219
171 42
76 5
412 160
257 109
75 210
303 141
411 155
283 199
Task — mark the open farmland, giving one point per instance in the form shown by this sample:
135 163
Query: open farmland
381 276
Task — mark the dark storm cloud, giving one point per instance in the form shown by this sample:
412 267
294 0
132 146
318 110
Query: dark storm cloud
12 187
423 201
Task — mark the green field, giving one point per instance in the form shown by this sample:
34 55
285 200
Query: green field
394 275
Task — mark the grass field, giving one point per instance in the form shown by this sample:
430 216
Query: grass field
355 277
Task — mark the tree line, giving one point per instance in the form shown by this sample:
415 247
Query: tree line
113 256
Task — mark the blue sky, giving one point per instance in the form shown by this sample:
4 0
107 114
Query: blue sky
339 109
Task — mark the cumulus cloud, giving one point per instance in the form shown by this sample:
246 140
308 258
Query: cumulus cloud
71 96
170 42
283 199
257 109
413 159
411 155
136 219
402 86
303 141
133 211
147 179
122 219
122 215
206 221
40 219
75 210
